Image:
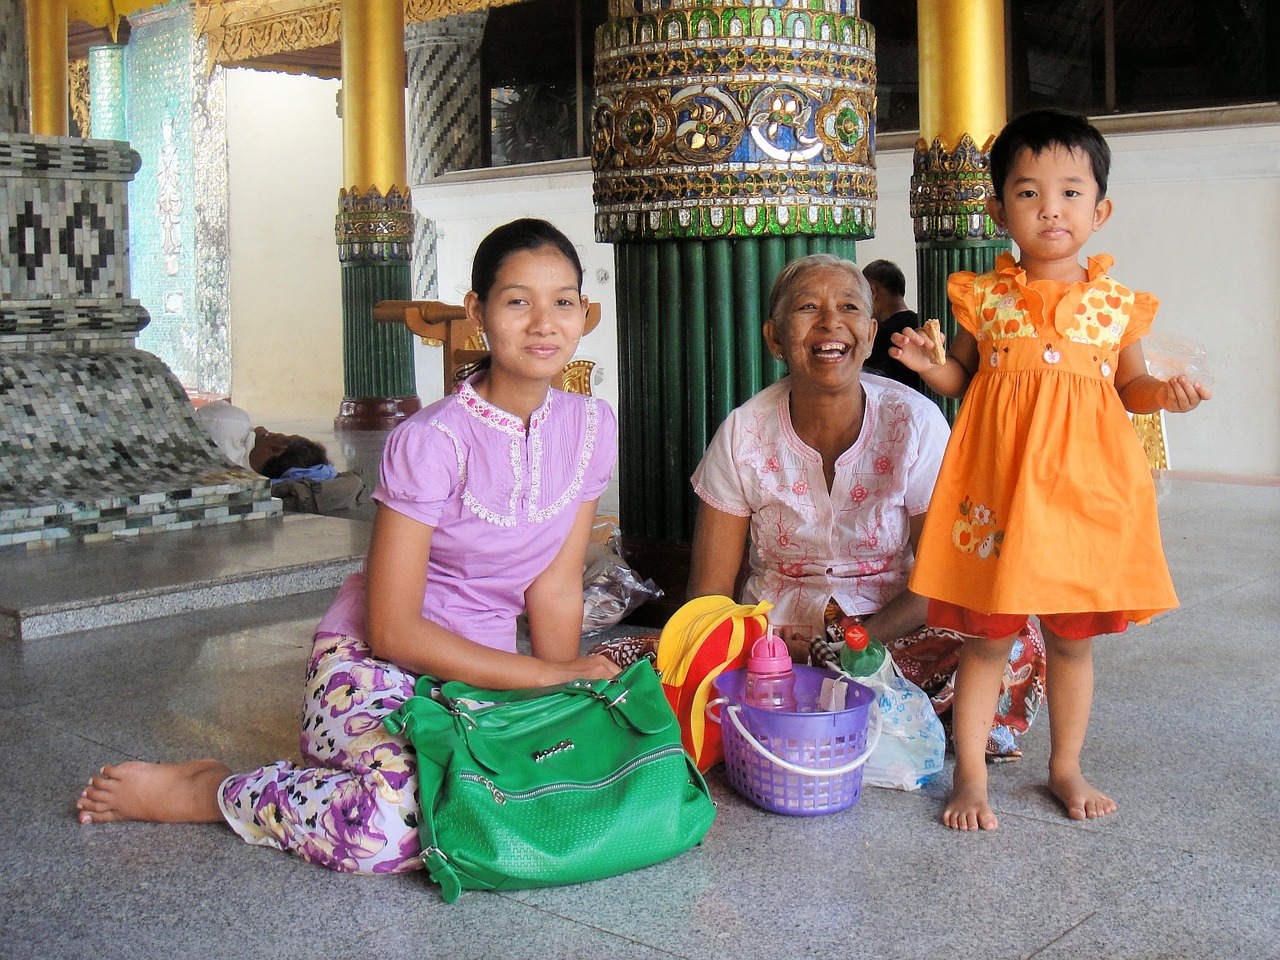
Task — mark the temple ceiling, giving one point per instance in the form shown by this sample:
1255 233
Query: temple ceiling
294 35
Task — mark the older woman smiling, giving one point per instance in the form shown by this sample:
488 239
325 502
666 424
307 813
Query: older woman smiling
830 470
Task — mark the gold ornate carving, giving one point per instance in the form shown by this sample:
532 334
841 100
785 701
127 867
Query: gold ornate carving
78 80
247 29
1150 430
950 189
576 377
240 30
371 226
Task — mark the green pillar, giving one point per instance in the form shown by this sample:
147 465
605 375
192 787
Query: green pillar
728 139
375 218
374 235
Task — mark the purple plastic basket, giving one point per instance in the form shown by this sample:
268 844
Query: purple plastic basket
816 742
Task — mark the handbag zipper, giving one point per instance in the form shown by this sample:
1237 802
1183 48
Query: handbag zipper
501 796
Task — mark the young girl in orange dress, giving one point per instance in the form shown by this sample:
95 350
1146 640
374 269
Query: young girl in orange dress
1045 502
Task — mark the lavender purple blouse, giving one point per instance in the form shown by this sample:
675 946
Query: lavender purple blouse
501 503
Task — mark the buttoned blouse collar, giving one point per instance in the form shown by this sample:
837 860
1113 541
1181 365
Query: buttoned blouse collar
496 417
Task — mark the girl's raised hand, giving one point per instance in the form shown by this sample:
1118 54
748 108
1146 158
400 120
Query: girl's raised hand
1180 394
912 348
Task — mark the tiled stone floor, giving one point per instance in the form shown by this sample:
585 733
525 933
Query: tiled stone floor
1184 735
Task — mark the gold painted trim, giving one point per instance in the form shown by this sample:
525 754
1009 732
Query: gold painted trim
78 81
1150 430
240 31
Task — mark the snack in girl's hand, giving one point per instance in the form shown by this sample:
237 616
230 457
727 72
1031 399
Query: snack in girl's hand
933 330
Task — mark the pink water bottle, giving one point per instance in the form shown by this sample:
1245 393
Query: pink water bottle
771 681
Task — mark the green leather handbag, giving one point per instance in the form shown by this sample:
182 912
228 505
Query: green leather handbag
535 788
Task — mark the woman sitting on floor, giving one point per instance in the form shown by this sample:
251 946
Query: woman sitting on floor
831 470
485 508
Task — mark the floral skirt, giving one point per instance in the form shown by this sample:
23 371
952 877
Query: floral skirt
354 806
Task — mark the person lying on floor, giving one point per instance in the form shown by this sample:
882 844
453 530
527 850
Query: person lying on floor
259 449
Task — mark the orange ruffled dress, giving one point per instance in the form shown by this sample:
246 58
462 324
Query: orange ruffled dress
1045 502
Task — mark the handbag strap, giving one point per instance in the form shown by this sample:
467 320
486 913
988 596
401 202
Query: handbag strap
417 715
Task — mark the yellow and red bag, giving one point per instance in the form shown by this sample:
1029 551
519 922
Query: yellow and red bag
703 639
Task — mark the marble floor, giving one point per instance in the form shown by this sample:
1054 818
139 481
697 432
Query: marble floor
1184 735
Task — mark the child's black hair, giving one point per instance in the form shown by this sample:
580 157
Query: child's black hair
1042 130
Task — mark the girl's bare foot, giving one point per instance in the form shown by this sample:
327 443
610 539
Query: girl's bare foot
158 792
967 807
1082 799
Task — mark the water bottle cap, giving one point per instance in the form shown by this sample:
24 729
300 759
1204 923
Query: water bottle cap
769 654
856 637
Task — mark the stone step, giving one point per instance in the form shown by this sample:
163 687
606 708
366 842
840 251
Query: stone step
54 592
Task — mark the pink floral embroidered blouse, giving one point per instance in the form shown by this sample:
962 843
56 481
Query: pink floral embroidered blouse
501 504
809 545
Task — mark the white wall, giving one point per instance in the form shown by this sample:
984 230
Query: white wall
1197 223
284 146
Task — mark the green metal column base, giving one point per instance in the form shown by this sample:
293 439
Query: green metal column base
936 260
377 358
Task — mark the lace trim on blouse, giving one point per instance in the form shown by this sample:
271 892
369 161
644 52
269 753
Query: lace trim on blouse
504 422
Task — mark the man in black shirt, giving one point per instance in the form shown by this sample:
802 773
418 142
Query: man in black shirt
888 287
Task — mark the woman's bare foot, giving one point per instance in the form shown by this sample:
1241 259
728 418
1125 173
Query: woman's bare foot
967 807
158 792
1082 799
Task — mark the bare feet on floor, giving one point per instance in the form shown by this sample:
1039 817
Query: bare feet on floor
967 807
158 792
1082 799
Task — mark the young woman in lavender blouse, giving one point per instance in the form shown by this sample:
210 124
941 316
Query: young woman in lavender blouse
485 506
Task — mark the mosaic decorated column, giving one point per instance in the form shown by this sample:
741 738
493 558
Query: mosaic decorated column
99 438
375 218
962 108
445 93
15 116
728 139
47 64
107 92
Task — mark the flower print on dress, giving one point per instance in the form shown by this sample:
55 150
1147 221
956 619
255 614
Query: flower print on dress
350 820
883 466
859 493
800 488
389 760
975 531
409 849
342 693
773 464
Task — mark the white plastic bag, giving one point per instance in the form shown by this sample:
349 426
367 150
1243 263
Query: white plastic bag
912 742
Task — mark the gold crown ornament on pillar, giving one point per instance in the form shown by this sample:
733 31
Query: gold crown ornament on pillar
371 226
950 189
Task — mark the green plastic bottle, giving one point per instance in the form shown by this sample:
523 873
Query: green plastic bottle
862 655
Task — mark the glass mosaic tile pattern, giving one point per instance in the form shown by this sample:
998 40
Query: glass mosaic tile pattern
99 438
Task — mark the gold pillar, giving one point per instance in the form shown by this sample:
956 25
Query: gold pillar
374 226
962 108
47 66
373 145
962 69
